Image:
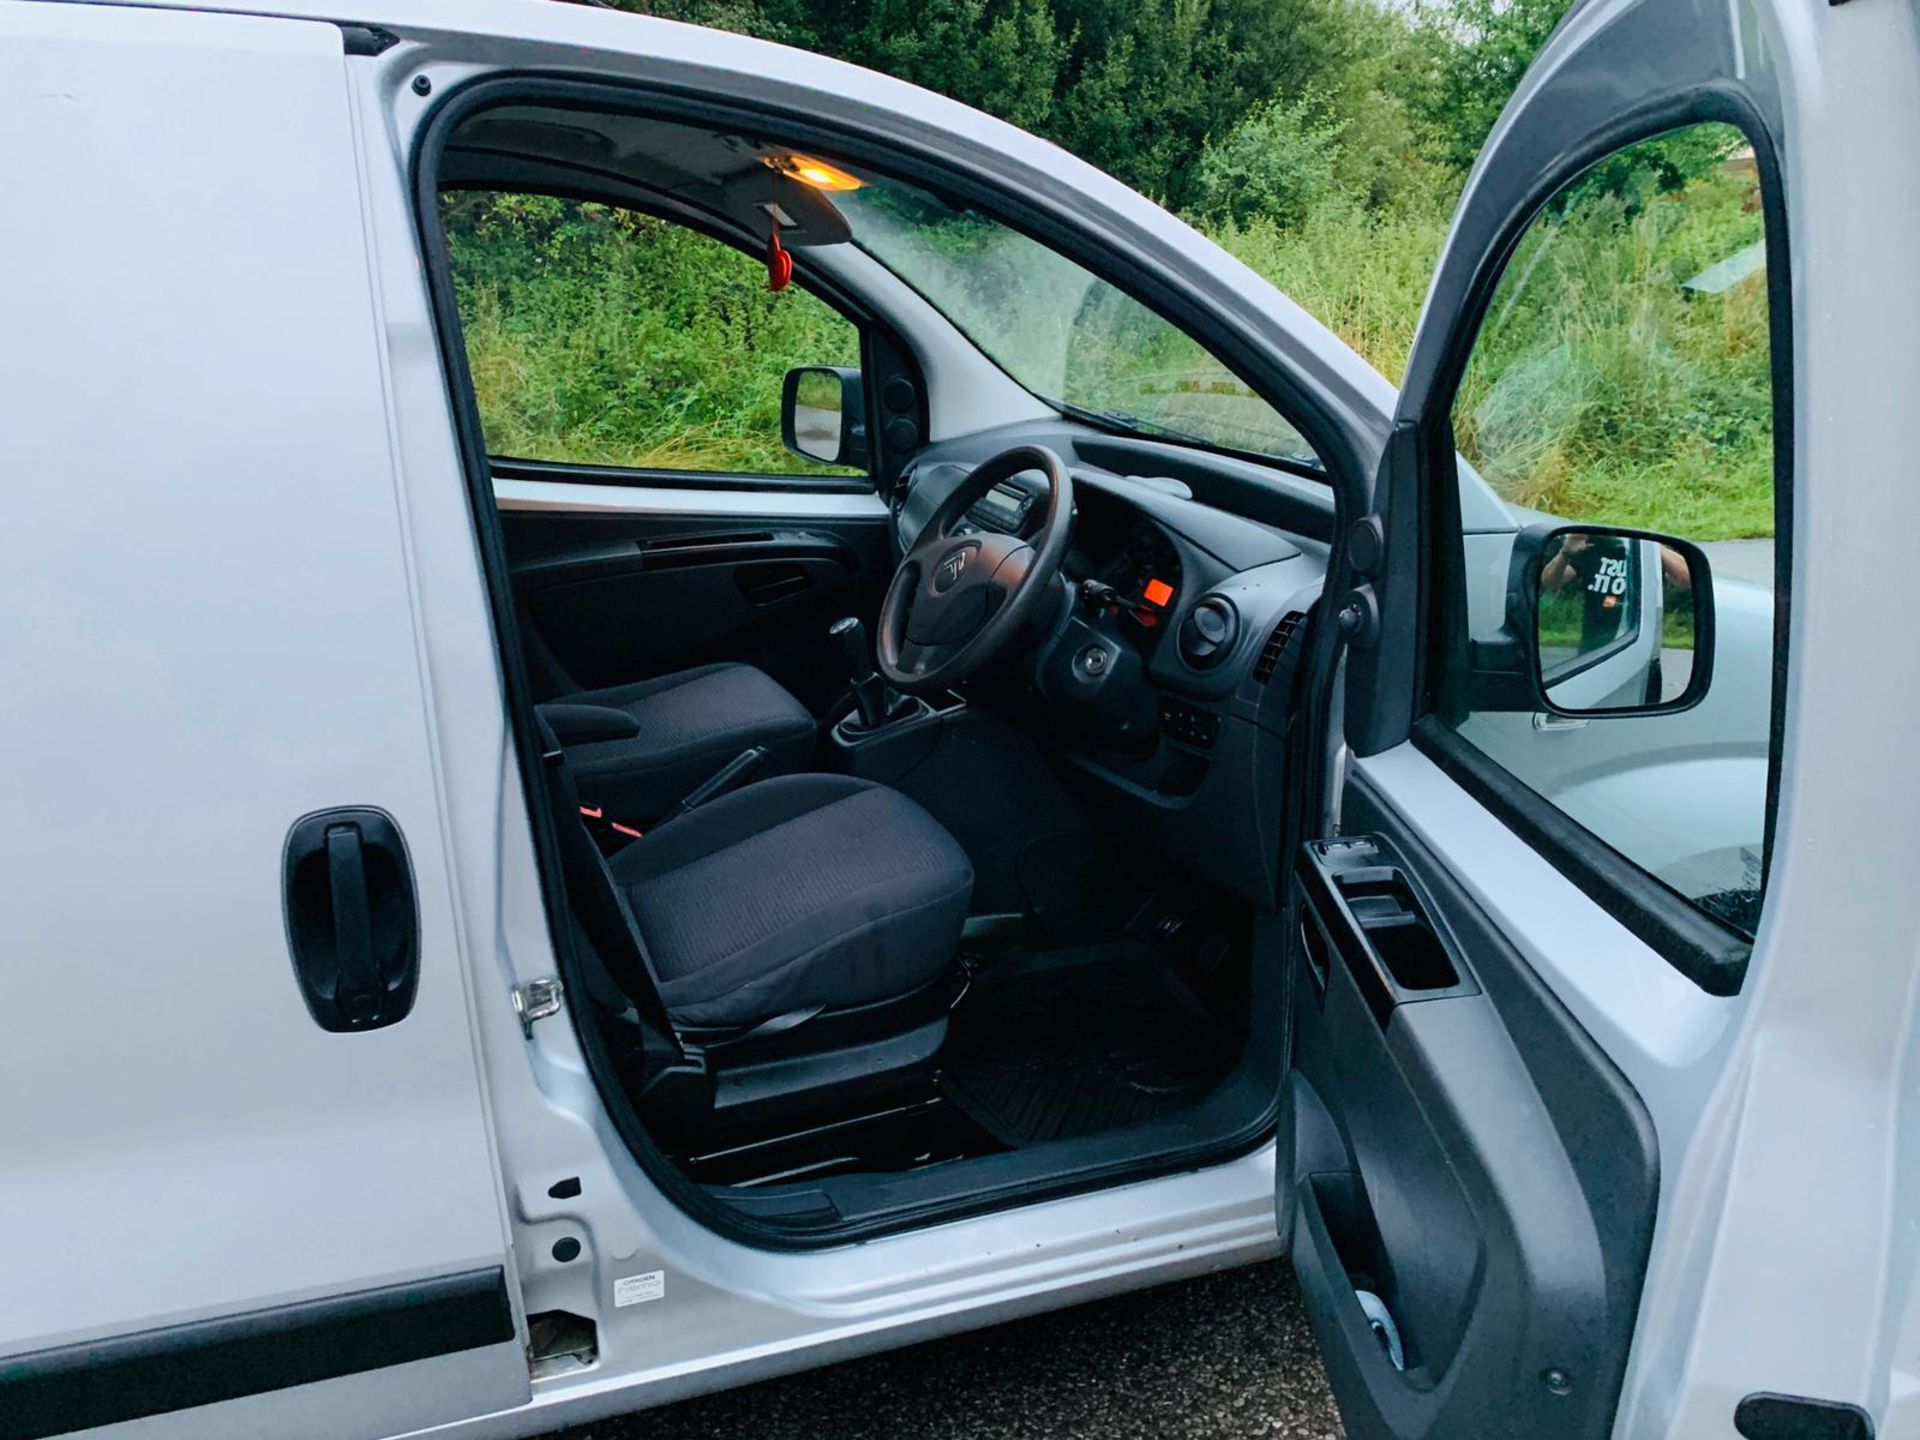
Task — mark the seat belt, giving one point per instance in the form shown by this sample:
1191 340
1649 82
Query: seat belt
729 777
766 1029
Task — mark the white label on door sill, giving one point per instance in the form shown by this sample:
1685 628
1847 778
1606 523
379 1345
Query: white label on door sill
638 1289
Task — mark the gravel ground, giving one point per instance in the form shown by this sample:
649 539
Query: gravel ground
1225 1356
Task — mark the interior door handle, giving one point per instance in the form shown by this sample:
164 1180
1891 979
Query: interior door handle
352 926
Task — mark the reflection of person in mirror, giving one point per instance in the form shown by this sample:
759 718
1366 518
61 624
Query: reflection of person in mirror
1597 563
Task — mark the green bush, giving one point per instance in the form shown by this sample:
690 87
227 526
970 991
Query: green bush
1362 273
1276 164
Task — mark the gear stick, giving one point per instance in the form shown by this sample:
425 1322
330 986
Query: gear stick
869 690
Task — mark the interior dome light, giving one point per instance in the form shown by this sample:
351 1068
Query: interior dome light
817 173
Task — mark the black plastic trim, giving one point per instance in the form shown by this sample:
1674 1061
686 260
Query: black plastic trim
1601 1127
366 40
387 907
205 1362
1700 948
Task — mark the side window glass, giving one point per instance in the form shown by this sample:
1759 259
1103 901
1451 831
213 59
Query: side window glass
1623 377
602 336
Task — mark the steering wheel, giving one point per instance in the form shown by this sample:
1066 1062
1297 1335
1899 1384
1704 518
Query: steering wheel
956 600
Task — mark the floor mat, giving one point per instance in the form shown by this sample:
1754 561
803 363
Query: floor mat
1079 1041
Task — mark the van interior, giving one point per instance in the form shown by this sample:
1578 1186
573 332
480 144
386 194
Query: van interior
913 823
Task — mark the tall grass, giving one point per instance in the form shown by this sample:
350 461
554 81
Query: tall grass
1601 388
602 336
1362 275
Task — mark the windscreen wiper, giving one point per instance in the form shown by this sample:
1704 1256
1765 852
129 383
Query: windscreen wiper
1124 423
1121 422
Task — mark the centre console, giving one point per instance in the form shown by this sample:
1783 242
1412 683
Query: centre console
886 733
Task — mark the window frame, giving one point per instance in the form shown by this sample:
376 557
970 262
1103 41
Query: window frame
572 472
1709 952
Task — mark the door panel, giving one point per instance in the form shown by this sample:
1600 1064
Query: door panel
1464 1146
1462 1150
626 594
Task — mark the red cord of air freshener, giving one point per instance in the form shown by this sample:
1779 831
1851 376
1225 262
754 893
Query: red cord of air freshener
779 262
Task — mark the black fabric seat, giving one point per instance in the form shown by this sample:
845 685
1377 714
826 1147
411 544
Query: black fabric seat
806 892
637 750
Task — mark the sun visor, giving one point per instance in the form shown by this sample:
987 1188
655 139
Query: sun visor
763 197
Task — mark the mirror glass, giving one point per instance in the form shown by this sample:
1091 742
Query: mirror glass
816 415
1615 620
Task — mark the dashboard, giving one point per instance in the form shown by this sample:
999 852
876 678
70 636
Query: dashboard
1163 675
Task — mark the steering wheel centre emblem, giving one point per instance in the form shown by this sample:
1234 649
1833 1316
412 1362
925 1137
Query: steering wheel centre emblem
950 569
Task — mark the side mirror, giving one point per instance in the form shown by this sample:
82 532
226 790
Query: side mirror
823 415
1610 621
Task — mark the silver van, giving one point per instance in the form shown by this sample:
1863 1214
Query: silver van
510 927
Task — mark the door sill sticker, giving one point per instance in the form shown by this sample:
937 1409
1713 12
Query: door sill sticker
638 1289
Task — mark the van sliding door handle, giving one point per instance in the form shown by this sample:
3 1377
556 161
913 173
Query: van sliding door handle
357 985
351 922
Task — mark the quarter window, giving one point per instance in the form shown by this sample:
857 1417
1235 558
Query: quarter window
1622 376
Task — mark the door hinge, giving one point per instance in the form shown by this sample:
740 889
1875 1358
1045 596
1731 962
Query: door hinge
536 1000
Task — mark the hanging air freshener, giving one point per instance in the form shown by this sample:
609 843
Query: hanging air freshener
779 262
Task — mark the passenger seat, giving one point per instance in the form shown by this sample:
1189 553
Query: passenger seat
635 751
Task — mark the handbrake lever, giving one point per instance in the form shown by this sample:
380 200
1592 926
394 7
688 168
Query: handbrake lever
730 776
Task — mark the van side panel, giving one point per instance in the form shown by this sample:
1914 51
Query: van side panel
207 632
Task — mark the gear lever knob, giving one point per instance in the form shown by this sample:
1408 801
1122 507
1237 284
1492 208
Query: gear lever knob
869 691
851 638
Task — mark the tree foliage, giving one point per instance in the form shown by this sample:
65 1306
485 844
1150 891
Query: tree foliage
1474 53
1278 162
1135 88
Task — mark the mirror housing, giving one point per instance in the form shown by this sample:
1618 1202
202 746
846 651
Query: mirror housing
823 415
1600 621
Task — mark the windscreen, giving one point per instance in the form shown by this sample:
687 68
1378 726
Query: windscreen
1061 331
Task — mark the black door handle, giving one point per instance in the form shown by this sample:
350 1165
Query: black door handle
351 923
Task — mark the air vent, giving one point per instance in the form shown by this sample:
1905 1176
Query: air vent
1275 649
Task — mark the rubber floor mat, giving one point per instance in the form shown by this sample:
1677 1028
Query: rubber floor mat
1078 1041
